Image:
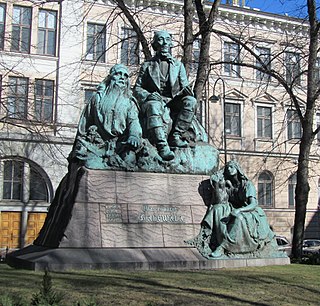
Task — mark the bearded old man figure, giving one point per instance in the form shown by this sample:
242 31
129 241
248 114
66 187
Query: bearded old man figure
108 131
166 100
109 127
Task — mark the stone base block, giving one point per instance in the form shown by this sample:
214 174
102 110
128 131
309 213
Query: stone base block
60 259
124 220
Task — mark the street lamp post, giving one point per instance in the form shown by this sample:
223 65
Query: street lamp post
215 99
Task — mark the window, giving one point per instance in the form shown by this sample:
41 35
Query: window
318 194
129 47
265 189
195 55
265 57
21 29
294 124
264 122
318 124
232 119
231 57
22 181
47 32
96 42
44 100
17 98
0 88
12 180
2 24
88 93
38 187
292 64
317 70
292 182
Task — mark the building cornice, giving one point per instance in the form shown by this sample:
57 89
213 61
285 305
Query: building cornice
262 20
245 15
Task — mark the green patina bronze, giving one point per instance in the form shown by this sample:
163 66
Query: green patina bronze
167 102
118 131
109 130
234 226
154 131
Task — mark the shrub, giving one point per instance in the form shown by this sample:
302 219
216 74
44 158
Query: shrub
46 295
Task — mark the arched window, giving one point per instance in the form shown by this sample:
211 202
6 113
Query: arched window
12 180
24 181
319 194
265 189
292 182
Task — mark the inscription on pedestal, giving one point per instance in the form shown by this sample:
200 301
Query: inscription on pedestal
113 213
145 213
160 214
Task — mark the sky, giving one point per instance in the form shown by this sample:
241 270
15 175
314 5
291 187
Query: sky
296 8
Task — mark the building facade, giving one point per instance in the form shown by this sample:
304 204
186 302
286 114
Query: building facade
53 55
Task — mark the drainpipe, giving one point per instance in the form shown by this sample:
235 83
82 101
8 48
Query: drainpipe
57 69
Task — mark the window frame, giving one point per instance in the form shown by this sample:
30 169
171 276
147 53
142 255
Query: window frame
263 118
21 27
317 70
292 123
266 184
318 206
292 68
3 25
317 125
96 56
43 98
34 186
231 58
196 47
229 131
129 58
27 168
88 97
292 183
47 31
16 97
13 181
261 76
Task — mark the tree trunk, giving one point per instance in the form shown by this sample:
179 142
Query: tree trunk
206 22
302 190
188 34
203 68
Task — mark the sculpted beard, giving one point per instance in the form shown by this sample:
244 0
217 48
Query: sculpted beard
113 94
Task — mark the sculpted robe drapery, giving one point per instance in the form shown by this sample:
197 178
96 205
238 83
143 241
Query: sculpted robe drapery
116 118
246 233
103 124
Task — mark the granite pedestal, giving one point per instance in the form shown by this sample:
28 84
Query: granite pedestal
132 220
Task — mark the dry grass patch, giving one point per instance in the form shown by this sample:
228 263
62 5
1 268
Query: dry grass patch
274 285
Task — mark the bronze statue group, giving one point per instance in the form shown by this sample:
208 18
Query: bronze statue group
160 110
155 128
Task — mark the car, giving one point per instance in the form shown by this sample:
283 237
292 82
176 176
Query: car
284 244
3 254
311 246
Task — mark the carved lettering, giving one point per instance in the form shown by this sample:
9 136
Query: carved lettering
160 214
113 213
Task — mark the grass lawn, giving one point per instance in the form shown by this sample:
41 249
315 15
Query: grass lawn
274 285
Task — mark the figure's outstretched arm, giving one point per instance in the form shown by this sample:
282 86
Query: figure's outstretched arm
134 127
